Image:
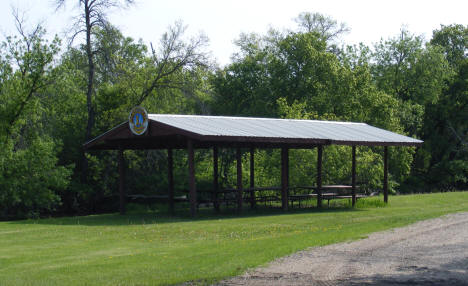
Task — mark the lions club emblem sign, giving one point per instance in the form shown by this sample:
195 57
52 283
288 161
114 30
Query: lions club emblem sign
138 120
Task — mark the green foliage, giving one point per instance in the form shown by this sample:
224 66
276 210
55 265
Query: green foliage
26 67
29 173
445 154
412 74
454 42
30 179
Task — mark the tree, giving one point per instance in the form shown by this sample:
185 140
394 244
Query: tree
326 27
31 58
454 41
442 162
30 176
93 15
165 66
411 72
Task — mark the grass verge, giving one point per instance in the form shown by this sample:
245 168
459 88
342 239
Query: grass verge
155 249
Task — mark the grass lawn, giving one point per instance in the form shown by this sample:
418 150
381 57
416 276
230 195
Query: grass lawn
153 248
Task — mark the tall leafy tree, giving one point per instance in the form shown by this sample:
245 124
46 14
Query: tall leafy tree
93 15
29 175
445 154
454 41
442 162
411 72
26 58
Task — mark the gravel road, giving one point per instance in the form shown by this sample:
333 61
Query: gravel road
431 252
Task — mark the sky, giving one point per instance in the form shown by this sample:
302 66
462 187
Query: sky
222 21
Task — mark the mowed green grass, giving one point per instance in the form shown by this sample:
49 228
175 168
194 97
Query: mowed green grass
155 249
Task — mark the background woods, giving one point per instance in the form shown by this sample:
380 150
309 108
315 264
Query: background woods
57 94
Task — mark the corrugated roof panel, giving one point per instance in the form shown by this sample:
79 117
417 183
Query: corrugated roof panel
282 128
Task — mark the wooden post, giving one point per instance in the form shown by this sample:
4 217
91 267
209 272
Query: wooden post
287 172
319 175
353 177
215 179
385 182
240 189
192 188
170 179
252 178
121 162
284 178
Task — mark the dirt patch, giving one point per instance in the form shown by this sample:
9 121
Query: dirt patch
431 252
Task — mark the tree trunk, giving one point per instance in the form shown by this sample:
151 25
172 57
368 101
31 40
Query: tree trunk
89 91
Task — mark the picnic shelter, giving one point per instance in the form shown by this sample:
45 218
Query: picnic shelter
190 132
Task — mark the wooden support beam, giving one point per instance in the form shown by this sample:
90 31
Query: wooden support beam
385 182
192 188
287 171
284 177
252 178
353 176
240 188
121 162
215 179
170 179
319 175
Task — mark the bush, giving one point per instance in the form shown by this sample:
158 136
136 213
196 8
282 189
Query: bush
30 179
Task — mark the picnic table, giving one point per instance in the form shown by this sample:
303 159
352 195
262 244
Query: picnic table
263 198
271 194
151 199
329 192
300 197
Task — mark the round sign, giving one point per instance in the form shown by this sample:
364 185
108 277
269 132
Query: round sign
138 120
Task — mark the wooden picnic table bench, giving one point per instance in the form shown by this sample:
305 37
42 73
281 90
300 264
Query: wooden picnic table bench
144 199
300 197
258 198
330 192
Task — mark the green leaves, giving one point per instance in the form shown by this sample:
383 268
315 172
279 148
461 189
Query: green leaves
29 175
454 41
30 178
26 68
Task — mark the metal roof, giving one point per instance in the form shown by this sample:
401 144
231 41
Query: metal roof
173 131
333 131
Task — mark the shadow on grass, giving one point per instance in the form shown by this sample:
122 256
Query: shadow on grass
161 215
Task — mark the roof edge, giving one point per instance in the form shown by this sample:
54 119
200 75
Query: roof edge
89 143
256 118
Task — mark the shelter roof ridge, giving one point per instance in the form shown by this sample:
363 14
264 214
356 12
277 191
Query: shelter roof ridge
253 118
